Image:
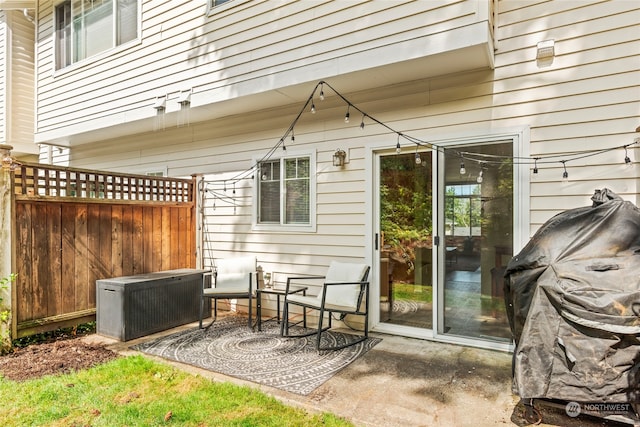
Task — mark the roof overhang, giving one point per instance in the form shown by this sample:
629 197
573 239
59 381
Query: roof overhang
372 75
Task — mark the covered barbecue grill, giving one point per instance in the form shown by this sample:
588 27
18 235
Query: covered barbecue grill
573 303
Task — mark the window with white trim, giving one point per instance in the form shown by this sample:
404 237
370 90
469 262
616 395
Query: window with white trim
285 192
87 27
215 3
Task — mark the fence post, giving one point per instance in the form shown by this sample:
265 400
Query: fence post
6 246
198 198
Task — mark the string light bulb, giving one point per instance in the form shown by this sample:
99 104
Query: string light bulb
627 160
534 171
418 158
346 116
479 179
565 174
313 108
436 147
293 137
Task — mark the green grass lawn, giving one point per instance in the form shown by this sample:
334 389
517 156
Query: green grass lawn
407 291
135 391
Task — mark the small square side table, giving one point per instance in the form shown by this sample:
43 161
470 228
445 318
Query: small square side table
279 292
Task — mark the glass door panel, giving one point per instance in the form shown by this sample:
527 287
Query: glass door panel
478 234
406 237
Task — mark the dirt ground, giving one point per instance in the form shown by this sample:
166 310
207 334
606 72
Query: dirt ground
60 355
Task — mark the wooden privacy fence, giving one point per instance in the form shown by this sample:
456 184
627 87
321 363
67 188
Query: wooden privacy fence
73 227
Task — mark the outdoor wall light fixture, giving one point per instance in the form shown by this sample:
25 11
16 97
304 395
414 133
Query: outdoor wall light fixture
545 53
339 158
545 50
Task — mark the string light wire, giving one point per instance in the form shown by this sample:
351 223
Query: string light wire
480 158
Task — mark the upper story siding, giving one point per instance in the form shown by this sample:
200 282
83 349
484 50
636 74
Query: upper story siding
587 99
22 83
3 77
243 54
17 36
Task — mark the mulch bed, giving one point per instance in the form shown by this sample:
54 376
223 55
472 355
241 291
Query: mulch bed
60 356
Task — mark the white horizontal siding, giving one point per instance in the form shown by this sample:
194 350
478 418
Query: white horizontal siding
17 83
4 75
250 48
22 84
588 99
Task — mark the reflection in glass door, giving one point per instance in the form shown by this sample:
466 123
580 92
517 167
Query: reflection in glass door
478 235
406 230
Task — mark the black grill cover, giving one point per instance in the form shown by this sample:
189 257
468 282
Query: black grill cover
573 303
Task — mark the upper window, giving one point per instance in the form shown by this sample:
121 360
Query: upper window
463 210
87 27
215 3
285 192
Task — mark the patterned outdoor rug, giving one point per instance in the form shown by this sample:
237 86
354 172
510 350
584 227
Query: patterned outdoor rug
231 348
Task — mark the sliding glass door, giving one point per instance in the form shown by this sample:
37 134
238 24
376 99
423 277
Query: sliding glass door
406 239
444 234
477 228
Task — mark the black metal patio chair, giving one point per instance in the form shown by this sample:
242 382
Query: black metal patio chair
345 291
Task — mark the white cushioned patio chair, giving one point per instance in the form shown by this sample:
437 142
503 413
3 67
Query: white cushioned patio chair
345 290
233 278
